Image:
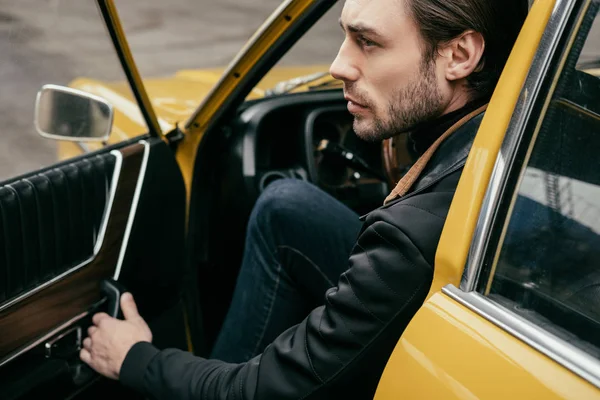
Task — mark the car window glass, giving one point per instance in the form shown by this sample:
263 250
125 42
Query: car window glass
62 42
548 268
195 57
167 38
182 47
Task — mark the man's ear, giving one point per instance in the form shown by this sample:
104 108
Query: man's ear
463 55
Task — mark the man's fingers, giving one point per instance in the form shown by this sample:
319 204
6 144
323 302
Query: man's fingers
85 356
99 317
128 307
87 344
91 330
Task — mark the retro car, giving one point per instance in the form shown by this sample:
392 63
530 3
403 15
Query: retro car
156 200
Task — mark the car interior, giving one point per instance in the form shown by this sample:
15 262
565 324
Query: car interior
306 136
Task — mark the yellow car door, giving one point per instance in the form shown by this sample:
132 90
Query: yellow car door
513 311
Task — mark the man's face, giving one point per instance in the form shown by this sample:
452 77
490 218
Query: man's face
389 86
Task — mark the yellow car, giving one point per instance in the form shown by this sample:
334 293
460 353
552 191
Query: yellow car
157 178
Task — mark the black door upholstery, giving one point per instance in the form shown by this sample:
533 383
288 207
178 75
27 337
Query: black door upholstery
50 222
119 213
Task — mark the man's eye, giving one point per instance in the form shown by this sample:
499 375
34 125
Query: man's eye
363 41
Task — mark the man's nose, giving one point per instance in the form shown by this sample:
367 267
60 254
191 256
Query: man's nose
343 67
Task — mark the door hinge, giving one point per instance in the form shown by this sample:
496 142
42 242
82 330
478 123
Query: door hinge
174 136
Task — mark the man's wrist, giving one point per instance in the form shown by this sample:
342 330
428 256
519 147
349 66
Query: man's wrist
135 365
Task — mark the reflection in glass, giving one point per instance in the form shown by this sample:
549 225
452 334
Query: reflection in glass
548 269
67 114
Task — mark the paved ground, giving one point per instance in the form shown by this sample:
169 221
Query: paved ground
54 41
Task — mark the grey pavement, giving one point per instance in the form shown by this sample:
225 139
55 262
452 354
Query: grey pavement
55 41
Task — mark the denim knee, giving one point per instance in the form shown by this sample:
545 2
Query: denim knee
282 202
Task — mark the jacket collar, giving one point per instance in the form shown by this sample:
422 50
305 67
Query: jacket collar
419 169
421 139
450 156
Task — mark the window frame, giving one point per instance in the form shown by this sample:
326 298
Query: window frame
536 94
114 27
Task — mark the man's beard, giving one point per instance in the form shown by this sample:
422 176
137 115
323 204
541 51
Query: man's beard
412 105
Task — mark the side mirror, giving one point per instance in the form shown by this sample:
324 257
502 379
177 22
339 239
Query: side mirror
63 113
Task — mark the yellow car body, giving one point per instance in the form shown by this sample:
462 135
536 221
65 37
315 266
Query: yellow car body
173 98
448 350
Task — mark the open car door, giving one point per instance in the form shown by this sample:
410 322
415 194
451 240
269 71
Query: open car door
76 234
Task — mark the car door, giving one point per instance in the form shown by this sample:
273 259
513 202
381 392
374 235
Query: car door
513 310
70 229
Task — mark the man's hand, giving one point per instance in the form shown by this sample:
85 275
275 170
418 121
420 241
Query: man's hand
111 339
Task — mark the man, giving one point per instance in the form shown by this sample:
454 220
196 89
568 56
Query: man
427 67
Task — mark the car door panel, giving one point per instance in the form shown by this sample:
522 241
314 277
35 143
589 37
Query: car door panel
13 240
37 305
27 211
65 229
153 266
44 209
450 352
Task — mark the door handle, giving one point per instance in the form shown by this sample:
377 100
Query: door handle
113 291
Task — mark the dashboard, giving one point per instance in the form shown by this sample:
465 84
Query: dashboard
306 136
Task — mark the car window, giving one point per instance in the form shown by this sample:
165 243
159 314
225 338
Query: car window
62 42
214 33
168 37
548 266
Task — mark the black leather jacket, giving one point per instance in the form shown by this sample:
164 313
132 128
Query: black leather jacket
341 348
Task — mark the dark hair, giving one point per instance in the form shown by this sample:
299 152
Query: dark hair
498 21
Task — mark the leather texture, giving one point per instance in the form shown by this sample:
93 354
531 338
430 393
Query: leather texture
416 171
49 222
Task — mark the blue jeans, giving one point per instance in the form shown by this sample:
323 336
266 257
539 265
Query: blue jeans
270 296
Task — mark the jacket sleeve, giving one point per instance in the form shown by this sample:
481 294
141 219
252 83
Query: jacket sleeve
342 347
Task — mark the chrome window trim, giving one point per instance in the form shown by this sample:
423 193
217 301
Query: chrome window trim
527 99
557 349
571 357
133 210
113 191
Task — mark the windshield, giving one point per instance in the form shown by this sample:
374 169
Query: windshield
51 42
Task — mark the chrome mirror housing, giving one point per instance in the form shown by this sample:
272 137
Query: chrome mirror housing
64 113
